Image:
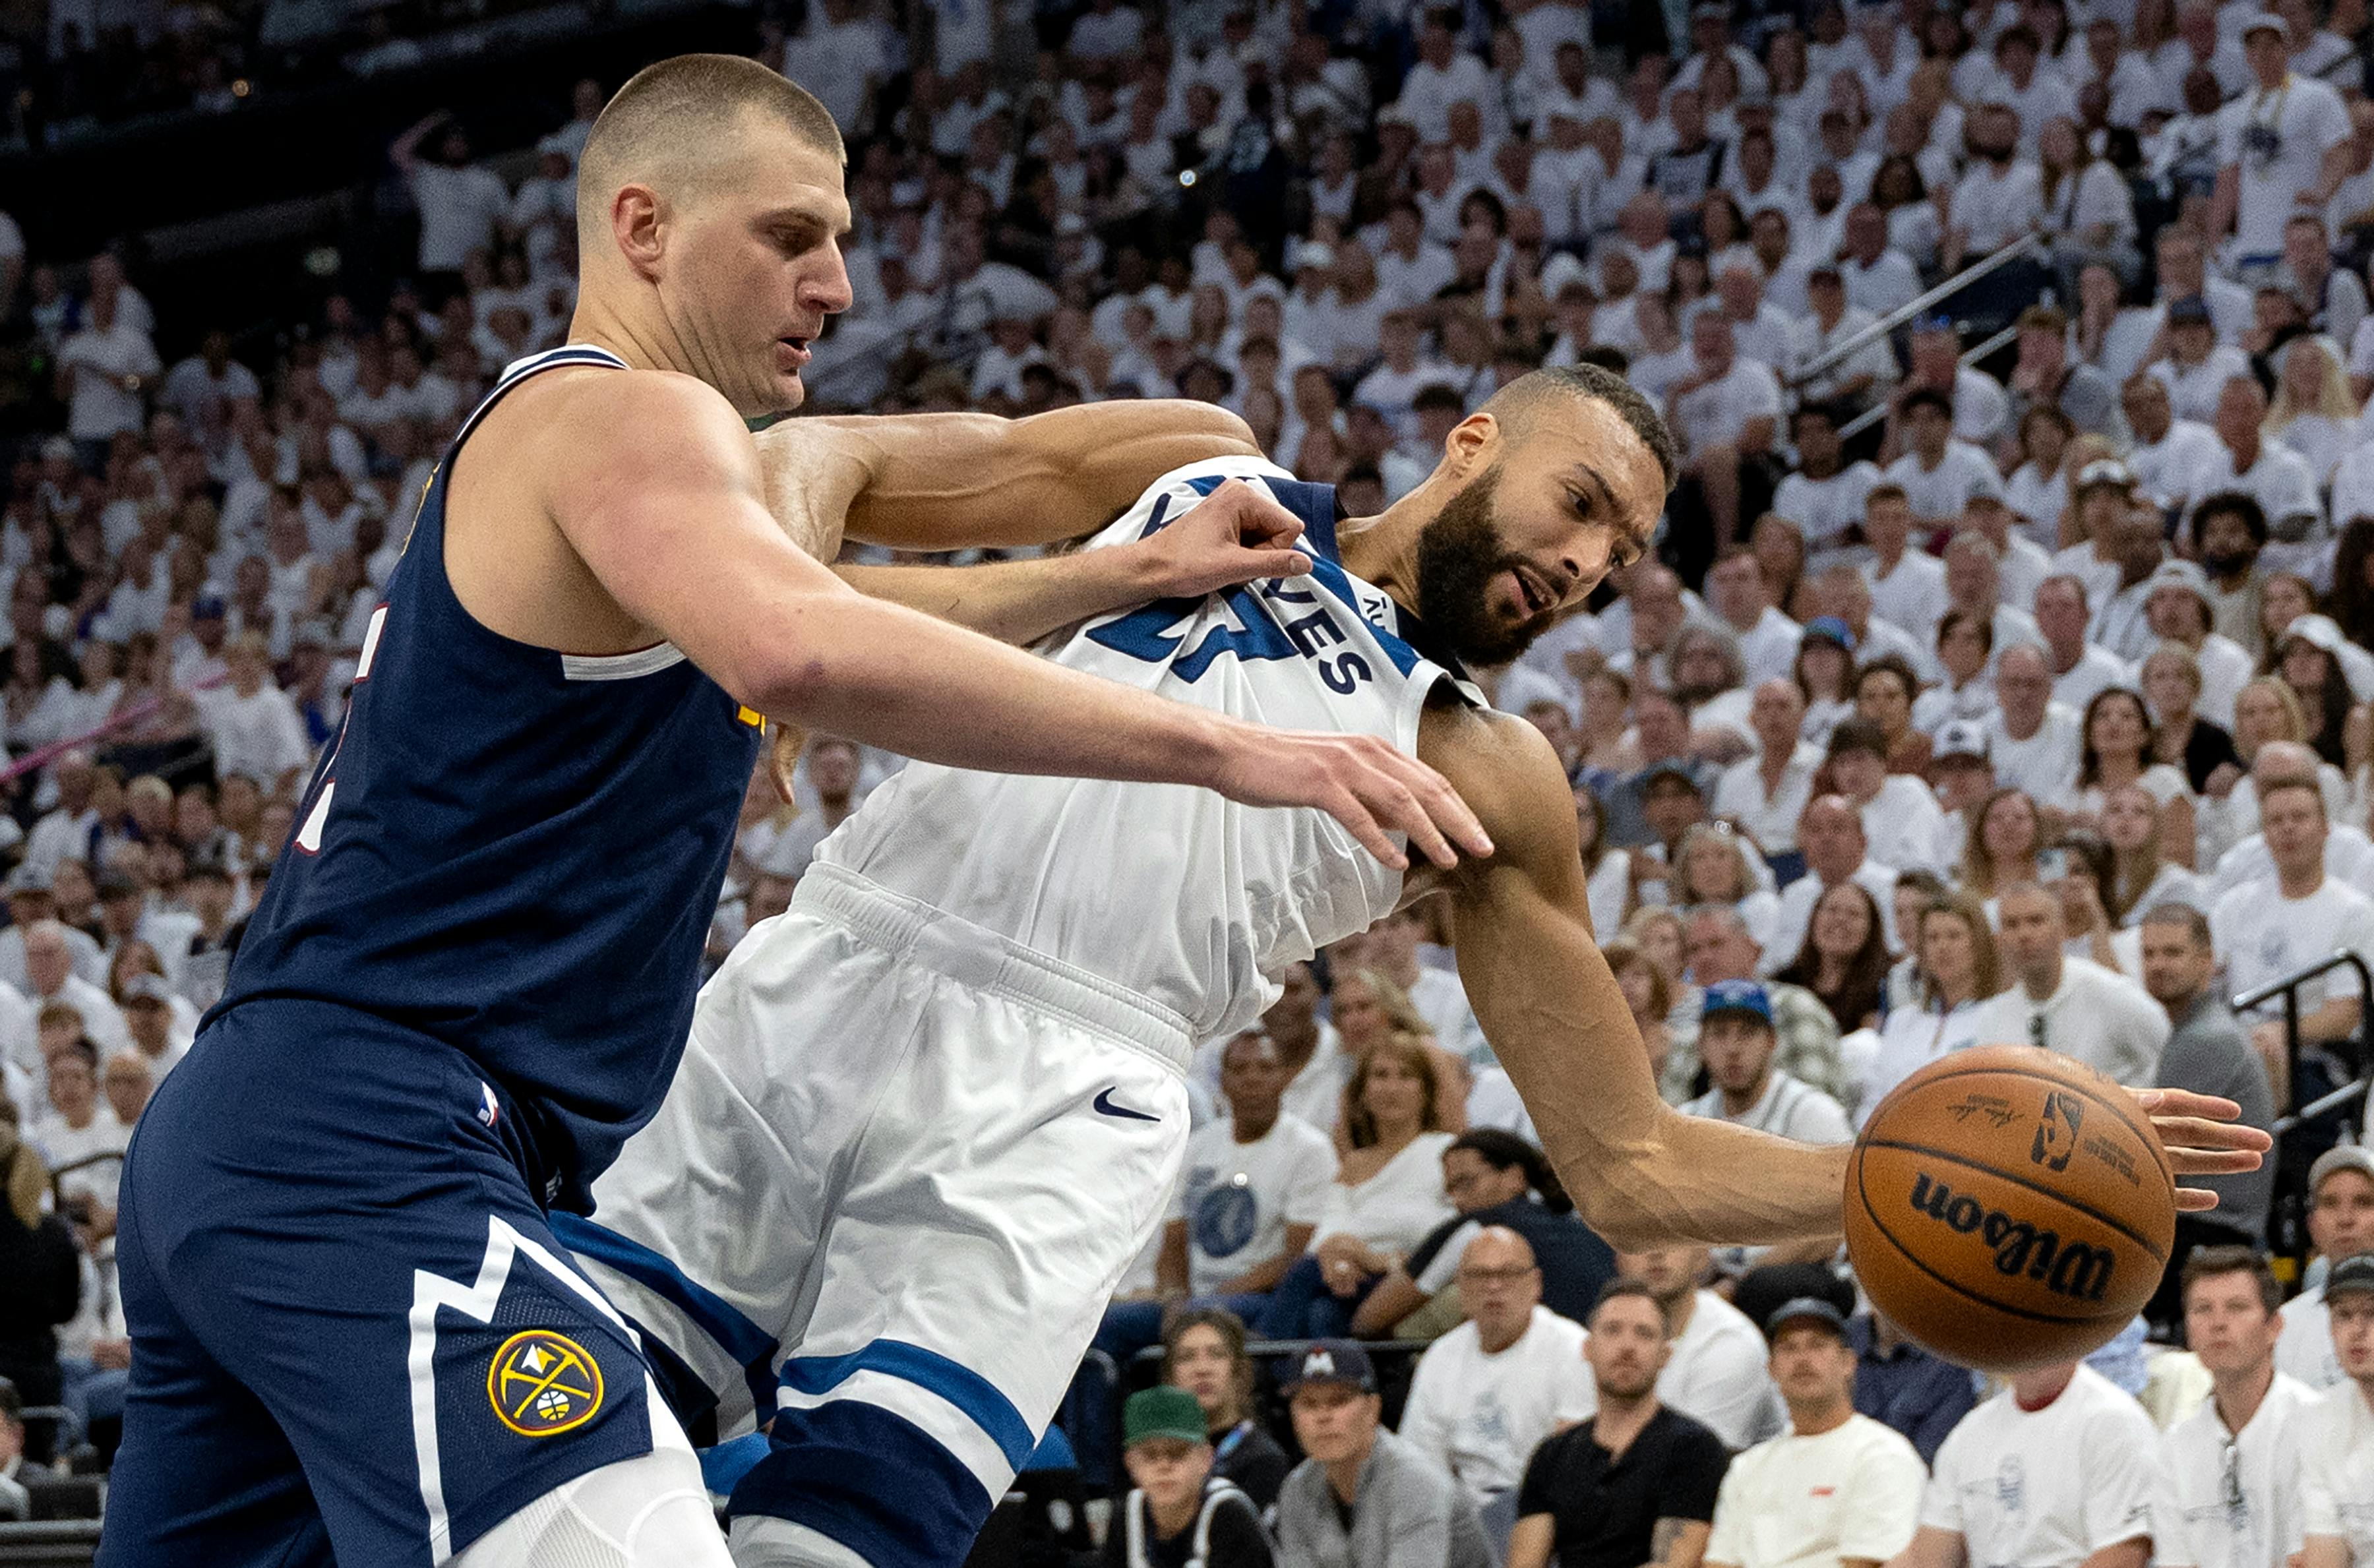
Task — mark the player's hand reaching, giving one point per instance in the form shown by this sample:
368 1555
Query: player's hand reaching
1236 534
1361 781
2202 1138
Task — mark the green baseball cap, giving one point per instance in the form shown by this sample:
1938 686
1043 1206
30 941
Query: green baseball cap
1165 1411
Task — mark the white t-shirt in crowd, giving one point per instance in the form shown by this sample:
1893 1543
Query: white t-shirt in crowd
259 736
2261 936
1809 1502
2305 1352
1911 597
2096 1016
1825 508
2045 763
2049 1487
1910 1039
459 211
2278 141
1481 1416
1991 210
1395 1208
2337 1480
1903 825
2096 671
1771 817
1943 493
1787 1108
1237 1200
1719 410
1316 1094
1717 1374
2196 1523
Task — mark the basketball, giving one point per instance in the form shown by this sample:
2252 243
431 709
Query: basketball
2009 1208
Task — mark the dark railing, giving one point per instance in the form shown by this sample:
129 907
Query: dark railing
2288 989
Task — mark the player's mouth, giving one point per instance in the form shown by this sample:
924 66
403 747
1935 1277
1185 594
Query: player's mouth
793 351
1536 595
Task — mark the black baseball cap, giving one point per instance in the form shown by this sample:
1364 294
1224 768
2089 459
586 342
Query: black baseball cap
1805 1309
2351 1276
1332 1361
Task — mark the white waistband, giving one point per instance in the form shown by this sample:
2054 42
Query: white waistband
976 957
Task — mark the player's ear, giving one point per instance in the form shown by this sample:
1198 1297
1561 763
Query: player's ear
636 216
1464 448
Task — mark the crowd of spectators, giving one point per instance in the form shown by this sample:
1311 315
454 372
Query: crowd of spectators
2005 673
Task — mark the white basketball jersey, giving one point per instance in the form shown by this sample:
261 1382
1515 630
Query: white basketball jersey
1175 892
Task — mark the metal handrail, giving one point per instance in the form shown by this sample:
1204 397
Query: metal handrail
1829 359
2288 989
1878 411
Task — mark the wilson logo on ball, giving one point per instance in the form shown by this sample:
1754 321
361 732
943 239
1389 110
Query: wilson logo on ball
2076 1269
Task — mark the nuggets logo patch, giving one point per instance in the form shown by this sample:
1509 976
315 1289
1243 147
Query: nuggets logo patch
543 1384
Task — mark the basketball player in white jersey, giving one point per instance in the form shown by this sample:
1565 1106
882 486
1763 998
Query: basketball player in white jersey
928 1116
613 509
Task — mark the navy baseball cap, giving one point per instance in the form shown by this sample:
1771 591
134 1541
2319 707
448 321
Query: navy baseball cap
1332 1361
1736 996
1802 1309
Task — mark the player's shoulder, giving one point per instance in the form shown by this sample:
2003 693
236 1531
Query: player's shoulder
1509 775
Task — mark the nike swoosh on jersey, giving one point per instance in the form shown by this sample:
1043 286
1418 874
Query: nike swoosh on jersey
1103 1105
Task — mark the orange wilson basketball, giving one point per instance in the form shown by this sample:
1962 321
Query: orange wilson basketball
2009 1208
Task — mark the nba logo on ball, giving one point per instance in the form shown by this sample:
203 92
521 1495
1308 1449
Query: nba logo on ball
2009 1208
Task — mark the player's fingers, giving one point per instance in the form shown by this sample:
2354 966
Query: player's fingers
2213 1162
1444 805
2195 1200
2199 1133
2184 1102
1403 809
1277 563
1346 807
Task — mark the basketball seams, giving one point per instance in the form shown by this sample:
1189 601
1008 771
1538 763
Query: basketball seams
2149 1139
2040 1188
1863 1191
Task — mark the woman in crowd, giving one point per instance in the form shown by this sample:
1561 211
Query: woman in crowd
1368 1011
2200 750
2267 710
1958 970
2038 488
1779 546
2083 862
1883 691
1825 676
2117 750
2139 873
2108 333
1608 744
2313 412
38 1261
2089 217
1648 993
1914 890
2001 845
1203 1352
2307 661
1965 647
1844 960
1494 1177
1712 868
1607 872
2283 597
1913 226
1386 1196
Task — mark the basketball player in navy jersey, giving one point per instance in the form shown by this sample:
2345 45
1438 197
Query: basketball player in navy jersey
354 1338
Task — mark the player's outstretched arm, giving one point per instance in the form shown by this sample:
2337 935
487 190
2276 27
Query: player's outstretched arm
950 481
1235 536
1641 1173
655 483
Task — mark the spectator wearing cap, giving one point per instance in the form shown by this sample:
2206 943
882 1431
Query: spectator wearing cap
1178 1512
2064 1003
2061 1467
1721 950
1637 1482
1901 822
2286 146
2178 609
1837 1487
1736 1041
2208 1053
1363 1498
2337 1432
1961 777
1938 474
1488 1392
1766 792
2341 1226
2233 1464
2267 929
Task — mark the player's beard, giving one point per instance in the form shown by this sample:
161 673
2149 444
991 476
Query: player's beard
1460 553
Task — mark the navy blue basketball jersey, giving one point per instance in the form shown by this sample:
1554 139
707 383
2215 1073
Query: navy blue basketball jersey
513 850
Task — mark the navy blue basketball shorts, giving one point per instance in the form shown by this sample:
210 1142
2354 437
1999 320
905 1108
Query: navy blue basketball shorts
354 1339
